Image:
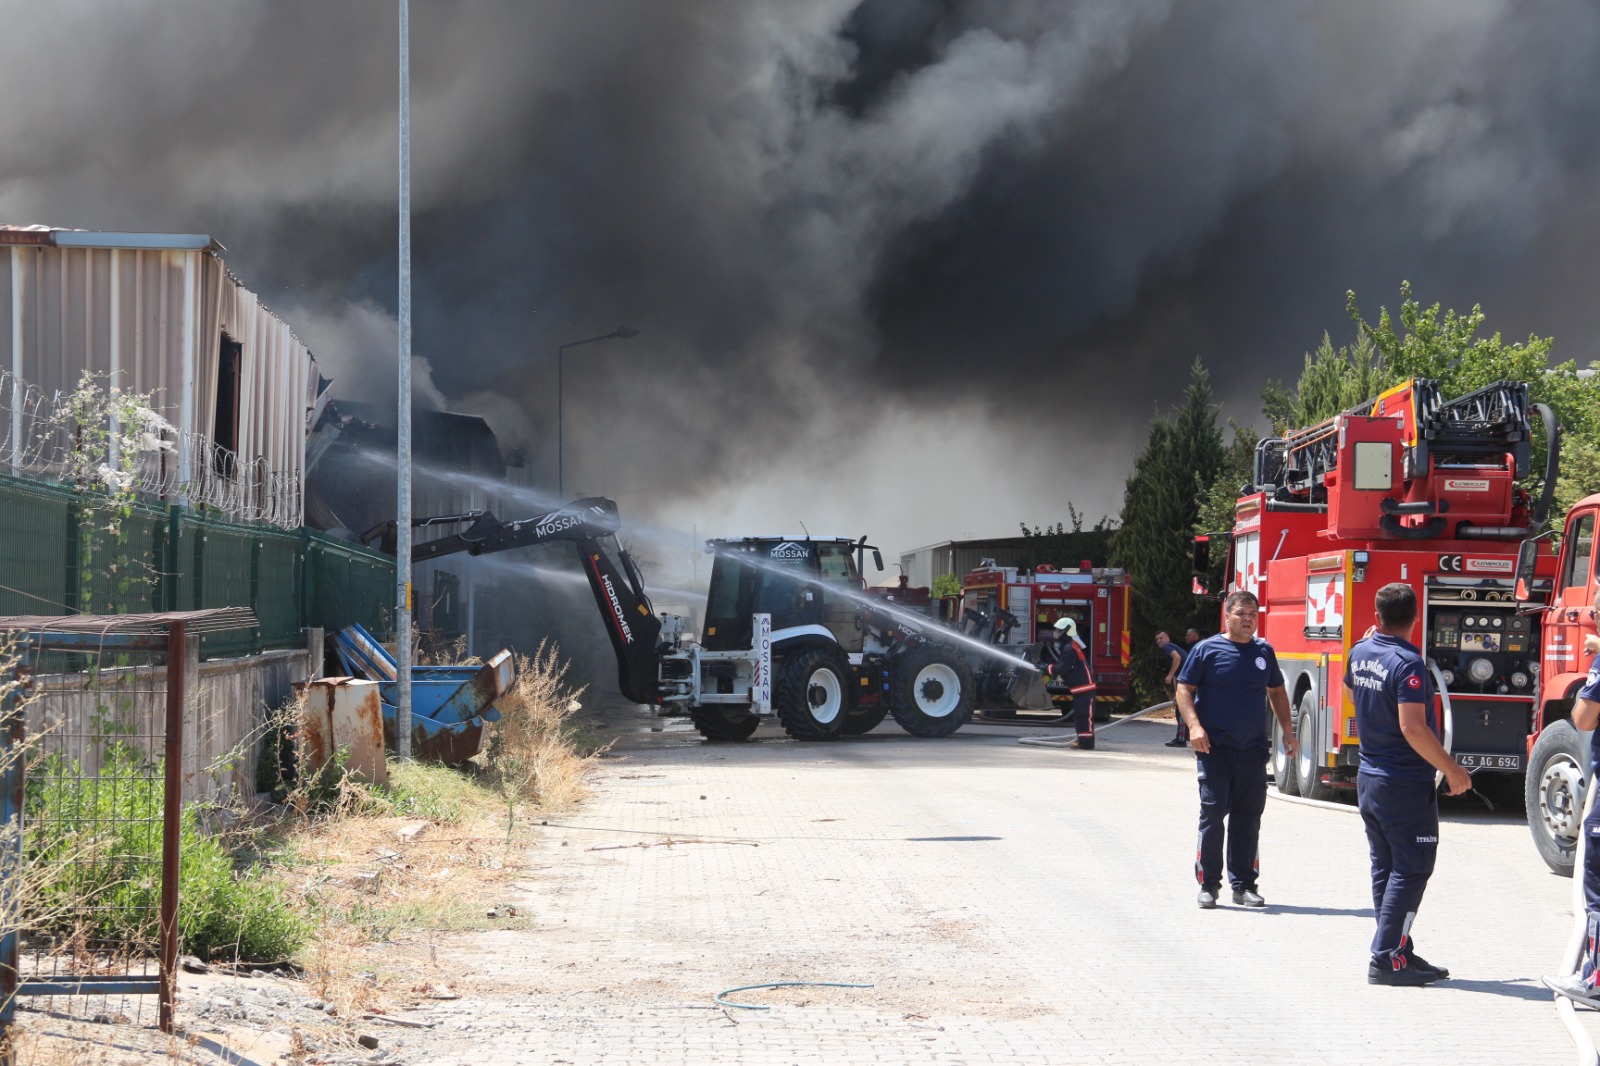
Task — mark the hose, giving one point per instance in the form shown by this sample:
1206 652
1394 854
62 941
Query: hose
778 984
1586 1053
1061 742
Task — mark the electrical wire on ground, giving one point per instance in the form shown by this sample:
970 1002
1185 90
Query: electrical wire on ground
778 984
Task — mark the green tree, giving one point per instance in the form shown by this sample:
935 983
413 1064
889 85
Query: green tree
1172 475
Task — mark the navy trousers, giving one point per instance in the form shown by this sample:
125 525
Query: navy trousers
1402 822
1083 721
1589 965
1233 793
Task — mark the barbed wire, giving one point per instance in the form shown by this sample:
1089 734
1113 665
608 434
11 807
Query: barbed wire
40 439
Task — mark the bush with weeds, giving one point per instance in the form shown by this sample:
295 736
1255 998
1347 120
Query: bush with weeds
93 859
534 752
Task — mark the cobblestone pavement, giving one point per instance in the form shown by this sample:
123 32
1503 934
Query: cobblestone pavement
1008 904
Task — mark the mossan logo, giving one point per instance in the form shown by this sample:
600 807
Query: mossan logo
555 525
790 550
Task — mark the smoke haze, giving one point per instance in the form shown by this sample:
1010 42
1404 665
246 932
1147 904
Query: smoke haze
915 268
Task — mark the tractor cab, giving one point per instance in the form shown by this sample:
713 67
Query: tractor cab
800 581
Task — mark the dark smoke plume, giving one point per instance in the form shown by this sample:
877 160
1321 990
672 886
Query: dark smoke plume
911 267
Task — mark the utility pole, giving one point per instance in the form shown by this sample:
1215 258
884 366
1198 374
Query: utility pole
402 551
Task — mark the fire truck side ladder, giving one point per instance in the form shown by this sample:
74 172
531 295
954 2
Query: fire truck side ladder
1474 430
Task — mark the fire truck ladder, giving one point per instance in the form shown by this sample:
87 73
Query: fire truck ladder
1475 430
1466 431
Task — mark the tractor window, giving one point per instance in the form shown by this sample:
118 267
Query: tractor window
1582 553
778 594
837 565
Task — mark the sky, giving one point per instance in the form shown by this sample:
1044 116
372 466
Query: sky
912 268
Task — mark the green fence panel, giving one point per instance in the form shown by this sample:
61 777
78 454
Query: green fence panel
61 553
33 548
346 583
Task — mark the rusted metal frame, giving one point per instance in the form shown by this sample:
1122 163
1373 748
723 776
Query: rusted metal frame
172 811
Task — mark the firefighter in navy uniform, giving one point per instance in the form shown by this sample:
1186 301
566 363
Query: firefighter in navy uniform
1400 751
1067 670
1584 986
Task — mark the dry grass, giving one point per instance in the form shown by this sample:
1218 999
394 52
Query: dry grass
534 753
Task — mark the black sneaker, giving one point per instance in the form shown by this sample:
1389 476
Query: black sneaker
1572 986
1207 899
1417 962
1404 977
1177 742
1247 897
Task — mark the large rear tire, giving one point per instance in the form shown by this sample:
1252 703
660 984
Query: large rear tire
1307 767
814 695
722 722
1283 767
933 692
1554 791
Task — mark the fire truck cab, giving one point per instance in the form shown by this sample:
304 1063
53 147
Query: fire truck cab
1558 758
1012 607
1412 488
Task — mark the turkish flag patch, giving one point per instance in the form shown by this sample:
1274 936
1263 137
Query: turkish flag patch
1413 681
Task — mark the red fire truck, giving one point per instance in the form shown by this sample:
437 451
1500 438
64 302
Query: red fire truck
1409 487
1016 608
1558 758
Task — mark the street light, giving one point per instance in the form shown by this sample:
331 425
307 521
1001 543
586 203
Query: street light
621 333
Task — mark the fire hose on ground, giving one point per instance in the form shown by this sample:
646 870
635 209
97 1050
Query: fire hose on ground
1062 742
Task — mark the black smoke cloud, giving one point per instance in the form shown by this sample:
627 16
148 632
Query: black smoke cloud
914 267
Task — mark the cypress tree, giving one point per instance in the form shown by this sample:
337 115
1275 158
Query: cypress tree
1171 477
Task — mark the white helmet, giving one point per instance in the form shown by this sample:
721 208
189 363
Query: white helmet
1066 625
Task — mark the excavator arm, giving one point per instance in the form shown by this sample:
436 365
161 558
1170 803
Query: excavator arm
590 525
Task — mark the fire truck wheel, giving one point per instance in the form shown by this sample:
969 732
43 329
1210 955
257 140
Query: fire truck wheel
1306 771
813 697
721 722
1554 790
933 693
1102 709
1283 771
866 719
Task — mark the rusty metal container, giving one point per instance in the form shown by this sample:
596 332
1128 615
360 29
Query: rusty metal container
344 712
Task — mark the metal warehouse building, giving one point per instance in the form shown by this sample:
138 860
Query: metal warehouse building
158 313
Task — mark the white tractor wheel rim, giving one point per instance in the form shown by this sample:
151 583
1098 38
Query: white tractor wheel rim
1558 799
825 695
937 690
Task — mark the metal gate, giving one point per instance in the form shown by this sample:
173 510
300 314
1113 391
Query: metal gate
90 816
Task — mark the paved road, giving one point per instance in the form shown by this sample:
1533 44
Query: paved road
1009 904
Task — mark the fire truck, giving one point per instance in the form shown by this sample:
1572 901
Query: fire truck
1016 608
1408 487
1558 757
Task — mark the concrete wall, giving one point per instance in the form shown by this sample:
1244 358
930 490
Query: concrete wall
226 708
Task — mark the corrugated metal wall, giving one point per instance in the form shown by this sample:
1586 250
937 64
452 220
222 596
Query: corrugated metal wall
148 319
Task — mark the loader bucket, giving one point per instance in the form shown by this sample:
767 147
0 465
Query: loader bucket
1027 692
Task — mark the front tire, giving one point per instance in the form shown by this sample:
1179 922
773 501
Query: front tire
722 722
813 700
1554 791
1307 772
933 692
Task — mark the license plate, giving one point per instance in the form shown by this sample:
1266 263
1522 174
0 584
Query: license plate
1475 761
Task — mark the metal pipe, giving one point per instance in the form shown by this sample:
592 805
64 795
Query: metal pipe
402 554
171 818
1297 508
1466 532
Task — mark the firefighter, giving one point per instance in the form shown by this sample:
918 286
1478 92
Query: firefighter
1584 986
1389 684
1175 656
1221 688
1068 671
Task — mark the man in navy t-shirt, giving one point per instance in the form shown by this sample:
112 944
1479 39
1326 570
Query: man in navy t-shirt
1223 691
1582 986
1400 752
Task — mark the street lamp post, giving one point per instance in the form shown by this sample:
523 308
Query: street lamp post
621 333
